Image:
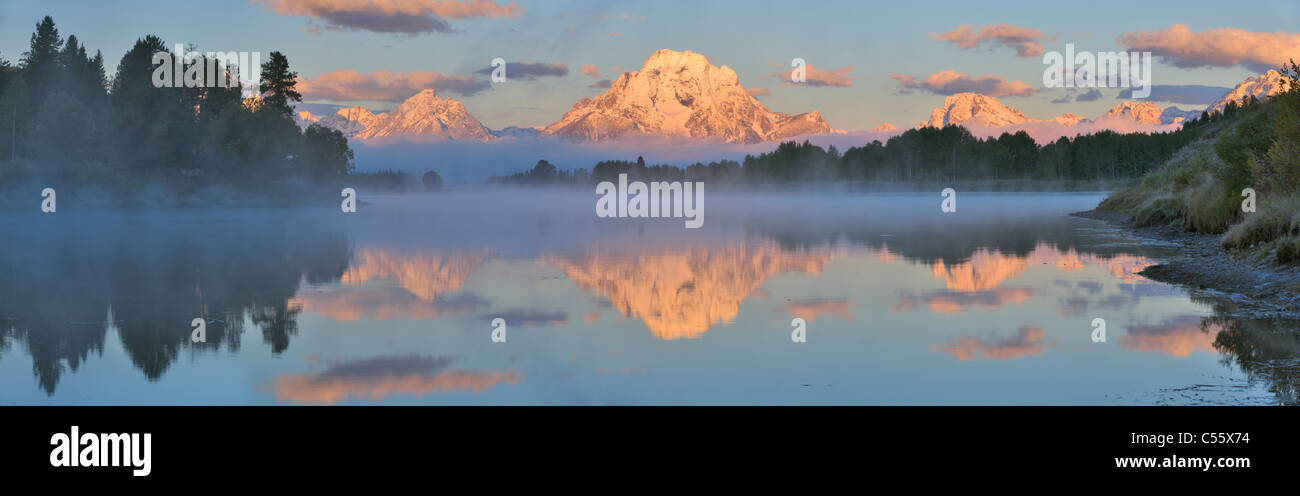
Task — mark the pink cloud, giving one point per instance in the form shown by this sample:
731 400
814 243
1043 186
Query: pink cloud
590 70
950 82
1026 41
756 92
1223 47
816 76
1028 341
384 16
348 84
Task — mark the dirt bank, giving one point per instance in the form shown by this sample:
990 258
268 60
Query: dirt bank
1257 289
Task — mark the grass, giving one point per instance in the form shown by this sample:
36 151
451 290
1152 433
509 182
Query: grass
1195 191
1276 220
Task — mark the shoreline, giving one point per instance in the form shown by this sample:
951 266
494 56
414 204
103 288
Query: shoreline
1254 289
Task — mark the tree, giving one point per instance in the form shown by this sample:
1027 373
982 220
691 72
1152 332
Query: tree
41 61
1280 171
279 84
326 153
431 180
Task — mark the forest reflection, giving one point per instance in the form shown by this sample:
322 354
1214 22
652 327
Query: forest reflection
145 276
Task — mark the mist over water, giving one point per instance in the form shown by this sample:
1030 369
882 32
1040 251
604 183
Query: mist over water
903 304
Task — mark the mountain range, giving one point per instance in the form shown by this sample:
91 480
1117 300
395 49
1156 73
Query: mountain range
679 94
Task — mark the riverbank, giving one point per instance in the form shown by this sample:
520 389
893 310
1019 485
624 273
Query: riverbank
1249 287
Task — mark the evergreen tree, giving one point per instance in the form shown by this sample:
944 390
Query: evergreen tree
279 84
41 61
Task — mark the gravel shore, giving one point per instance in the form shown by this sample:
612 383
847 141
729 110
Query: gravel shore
1257 289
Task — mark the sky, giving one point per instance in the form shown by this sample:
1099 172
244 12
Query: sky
867 50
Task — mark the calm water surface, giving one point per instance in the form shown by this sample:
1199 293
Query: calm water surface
904 305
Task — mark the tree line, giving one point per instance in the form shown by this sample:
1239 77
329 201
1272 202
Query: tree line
64 120
927 154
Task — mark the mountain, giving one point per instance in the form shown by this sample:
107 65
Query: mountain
1262 86
422 117
986 111
976 109
427 117
1175 115
884 128
680 94
517 132
1140 112
1069 119
349 121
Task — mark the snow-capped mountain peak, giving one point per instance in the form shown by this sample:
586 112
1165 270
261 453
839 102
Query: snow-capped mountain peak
1261 87
976 109
424 116
1140 112
427 116
680 94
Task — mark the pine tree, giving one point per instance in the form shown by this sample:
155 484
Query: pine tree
41 62
279 84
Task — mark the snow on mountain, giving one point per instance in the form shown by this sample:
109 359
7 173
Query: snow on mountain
1175 115
680 94
422 117
1069 119
976 109
884 128
517 132
348 121
1261 87
427 117
304 119
1140 112
985 116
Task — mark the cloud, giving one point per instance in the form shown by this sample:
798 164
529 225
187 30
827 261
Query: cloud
816 76
590 70
529 317
1026 41
1192 94
601 85
615 34
529 71
348 84
1223 47
1177 337
759 92
347 304
1091 95
1028 341
383 16
377 378
950 82
956 302
811 309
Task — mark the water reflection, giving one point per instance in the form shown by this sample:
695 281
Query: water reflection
681 294
378 377
68 283
400 308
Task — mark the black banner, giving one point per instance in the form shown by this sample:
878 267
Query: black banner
327 445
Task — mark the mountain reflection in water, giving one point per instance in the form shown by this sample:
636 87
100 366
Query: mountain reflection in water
393 304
